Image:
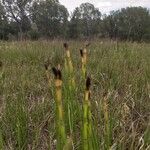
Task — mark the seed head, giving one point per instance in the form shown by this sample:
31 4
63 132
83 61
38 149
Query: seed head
81 52
54 71
66 46
57 73
46 66
88 83
1 64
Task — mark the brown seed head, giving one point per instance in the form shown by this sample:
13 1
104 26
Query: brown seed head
57 73
46 66
54 71
66 46
1 64
88 83
81 52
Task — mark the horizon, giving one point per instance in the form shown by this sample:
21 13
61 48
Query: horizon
105 6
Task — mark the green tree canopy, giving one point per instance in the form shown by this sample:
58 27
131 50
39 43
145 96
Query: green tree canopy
3 23
18 11
130 23
85 20
50 17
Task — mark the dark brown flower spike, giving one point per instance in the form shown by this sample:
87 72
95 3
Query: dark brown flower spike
57 73
1 64
54 71
88 83
81 52
46 66
66 46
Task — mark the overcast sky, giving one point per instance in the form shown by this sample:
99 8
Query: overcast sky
106 5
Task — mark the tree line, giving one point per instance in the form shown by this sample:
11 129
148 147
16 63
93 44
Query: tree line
34 19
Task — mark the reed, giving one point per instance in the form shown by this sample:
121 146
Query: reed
69 66
1 70
68 60
83 54
83 63
61 137
87 122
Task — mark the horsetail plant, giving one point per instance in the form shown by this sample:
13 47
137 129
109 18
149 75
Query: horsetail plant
61 133
69 66
68 61
83 53
87 122
83 62
1 70
1 64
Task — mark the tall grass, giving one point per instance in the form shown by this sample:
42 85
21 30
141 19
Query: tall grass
115 116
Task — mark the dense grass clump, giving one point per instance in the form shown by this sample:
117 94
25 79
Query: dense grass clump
87 97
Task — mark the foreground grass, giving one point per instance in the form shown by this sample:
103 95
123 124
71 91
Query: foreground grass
120 95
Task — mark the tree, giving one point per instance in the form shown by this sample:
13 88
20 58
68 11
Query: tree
3 23
86 20
75 24
135 22
130 23
50 17
18 10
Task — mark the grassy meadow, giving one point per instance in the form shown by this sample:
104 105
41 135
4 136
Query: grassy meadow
50 99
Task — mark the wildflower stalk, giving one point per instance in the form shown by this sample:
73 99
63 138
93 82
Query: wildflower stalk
61 138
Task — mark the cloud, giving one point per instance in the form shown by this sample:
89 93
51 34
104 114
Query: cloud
106 6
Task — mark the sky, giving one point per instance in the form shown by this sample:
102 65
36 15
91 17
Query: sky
105 6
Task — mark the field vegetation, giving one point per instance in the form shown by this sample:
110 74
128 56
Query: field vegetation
74 96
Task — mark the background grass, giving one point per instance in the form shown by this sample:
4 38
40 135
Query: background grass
27 106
